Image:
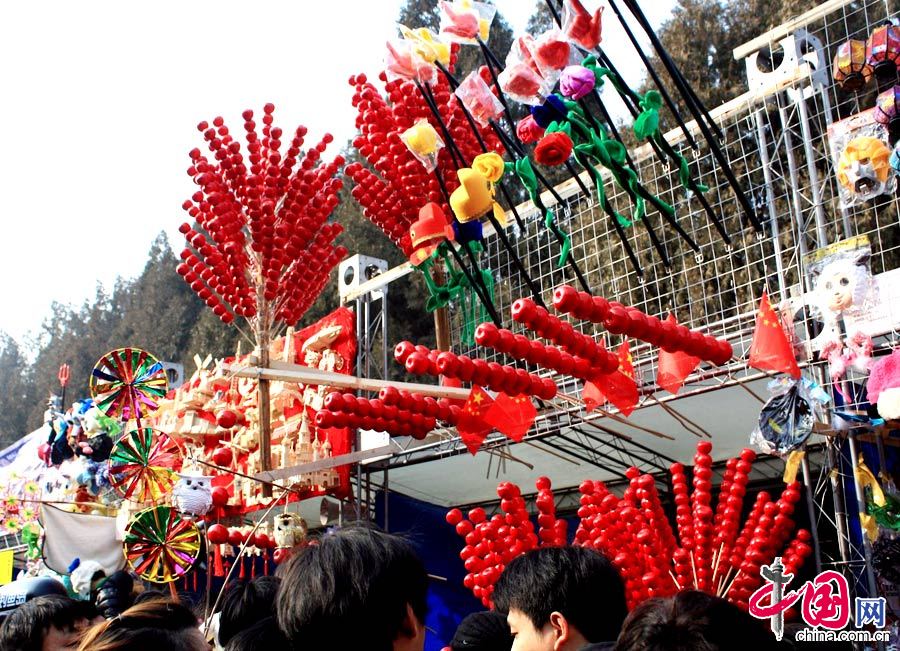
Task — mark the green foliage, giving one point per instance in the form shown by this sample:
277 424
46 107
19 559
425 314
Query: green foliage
18 390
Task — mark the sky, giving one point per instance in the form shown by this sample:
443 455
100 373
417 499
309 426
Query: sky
100 105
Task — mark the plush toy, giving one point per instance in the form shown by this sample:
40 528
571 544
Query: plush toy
82 577
193 493
883 387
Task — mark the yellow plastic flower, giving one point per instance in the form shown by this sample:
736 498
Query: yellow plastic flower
489 165
28 514
11 525
421 138
31 488
427 44
12 500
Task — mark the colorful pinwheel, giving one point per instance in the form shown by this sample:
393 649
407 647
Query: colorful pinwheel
161 546
143 465
127 383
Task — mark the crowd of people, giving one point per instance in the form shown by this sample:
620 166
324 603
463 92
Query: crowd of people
360 588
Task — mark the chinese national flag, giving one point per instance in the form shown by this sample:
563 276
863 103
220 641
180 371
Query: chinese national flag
472 427
512 415
673 368
618 388
770 349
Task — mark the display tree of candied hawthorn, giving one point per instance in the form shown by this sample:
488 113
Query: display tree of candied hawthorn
260 247
395 185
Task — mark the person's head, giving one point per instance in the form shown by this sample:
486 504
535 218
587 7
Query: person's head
561 598
45 624
485 631
693 621
148 626
264 635
245 604
355 588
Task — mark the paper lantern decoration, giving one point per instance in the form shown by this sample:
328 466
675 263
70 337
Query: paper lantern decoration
864 167
851 69
887 111
144 464
883 52
160 545
128 383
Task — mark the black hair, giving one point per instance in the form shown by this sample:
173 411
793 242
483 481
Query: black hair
350 589
246 603
264 635
577 582
152 625
483 631
25 627
693 621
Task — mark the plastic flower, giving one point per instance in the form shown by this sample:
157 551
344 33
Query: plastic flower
421 138
553 149
580 26
11 525
427 44
550 111
576 82
528 130
551 52
28 514
11 501
31 488
489 165
518 80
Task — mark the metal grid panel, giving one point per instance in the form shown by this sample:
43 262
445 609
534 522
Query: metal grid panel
718 290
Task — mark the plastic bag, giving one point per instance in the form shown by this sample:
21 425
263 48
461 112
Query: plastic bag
402 61
465 21
424 143
786 420
478 99
862 158
522 79
552 53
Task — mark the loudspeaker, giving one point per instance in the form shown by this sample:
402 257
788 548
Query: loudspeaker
356 270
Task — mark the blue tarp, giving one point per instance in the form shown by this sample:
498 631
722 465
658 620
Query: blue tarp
438 546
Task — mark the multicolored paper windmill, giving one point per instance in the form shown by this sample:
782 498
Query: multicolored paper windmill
161 546
127 383
143 465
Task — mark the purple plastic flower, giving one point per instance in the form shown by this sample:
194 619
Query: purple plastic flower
576 82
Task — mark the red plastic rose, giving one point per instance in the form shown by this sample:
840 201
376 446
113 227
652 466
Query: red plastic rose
553 149
528 130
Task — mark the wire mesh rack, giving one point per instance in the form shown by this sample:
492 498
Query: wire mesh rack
775 138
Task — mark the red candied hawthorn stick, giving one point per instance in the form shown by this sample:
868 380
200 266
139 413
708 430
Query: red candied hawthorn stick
546 325
260 221
621 320
348 410
702 514
395 185
491 375
534 352
551 531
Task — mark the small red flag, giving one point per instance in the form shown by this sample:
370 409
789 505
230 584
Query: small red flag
471 425
512 415
593 397
770 349
673 368
619 388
